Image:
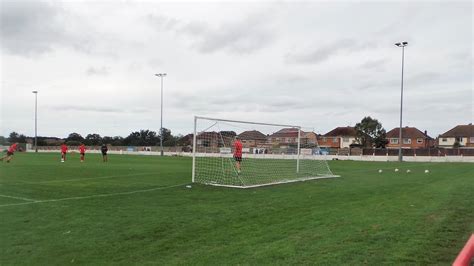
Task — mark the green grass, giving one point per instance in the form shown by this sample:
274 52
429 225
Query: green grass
363 217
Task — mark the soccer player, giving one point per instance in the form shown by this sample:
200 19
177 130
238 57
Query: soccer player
11 150
104 150
237 153
82 151
63 152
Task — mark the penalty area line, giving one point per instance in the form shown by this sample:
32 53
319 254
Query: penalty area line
92 196
19 198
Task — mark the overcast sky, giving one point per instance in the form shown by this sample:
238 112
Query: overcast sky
316 64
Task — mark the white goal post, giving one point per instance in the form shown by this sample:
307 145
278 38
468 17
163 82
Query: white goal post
270 154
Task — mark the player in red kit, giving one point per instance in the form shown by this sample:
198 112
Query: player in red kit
11 150
82 151
63 152
237 153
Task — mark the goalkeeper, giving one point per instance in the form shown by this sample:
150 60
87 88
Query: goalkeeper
237 153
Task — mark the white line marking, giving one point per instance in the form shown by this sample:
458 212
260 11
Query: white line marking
77 179
20 198
93 196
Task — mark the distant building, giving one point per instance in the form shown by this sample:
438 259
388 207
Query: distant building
412 137
289 136
462 134
252 139
284 137
340 137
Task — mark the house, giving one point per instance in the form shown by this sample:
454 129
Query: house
289 136
462 134
412 137
340 137
284 136
208 139
252 139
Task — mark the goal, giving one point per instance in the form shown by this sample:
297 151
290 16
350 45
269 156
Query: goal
271 154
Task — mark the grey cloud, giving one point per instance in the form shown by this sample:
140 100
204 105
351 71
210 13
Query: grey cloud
29 27
102 71
162 23
323 53
97 109
423 78
374 64
241 37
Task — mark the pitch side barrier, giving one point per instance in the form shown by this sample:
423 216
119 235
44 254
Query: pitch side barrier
370 158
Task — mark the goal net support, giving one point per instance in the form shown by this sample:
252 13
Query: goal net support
271 154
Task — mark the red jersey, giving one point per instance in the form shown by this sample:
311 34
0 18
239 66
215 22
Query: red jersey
238 148
12 148
63 148
82 149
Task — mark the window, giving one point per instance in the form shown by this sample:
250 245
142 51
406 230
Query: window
393 141
444 140
406 141
334 140
325 139
345 139
471 139
419 140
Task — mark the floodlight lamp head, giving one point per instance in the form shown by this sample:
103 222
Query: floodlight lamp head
35 91
405 43
398 44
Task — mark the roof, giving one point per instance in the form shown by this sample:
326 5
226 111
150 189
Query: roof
342 131
460 131
407 132
208 135
252 135
286 133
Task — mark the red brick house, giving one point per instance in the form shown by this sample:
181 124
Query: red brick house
340 137
412 137
287 136
252 139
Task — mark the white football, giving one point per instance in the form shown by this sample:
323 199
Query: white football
396 169
427 171
380 170
188 186
408 171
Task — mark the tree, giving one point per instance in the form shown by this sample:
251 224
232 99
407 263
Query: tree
117 141
456 144
93 139
370 133
74 139
141 138
3 140
15 137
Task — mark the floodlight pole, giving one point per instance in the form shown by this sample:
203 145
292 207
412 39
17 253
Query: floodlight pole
161 75
400 155
36 120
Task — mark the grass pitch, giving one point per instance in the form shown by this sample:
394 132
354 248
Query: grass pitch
136 209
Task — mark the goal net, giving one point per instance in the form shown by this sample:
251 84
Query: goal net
247 154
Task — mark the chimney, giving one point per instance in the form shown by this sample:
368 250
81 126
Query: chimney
426 133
